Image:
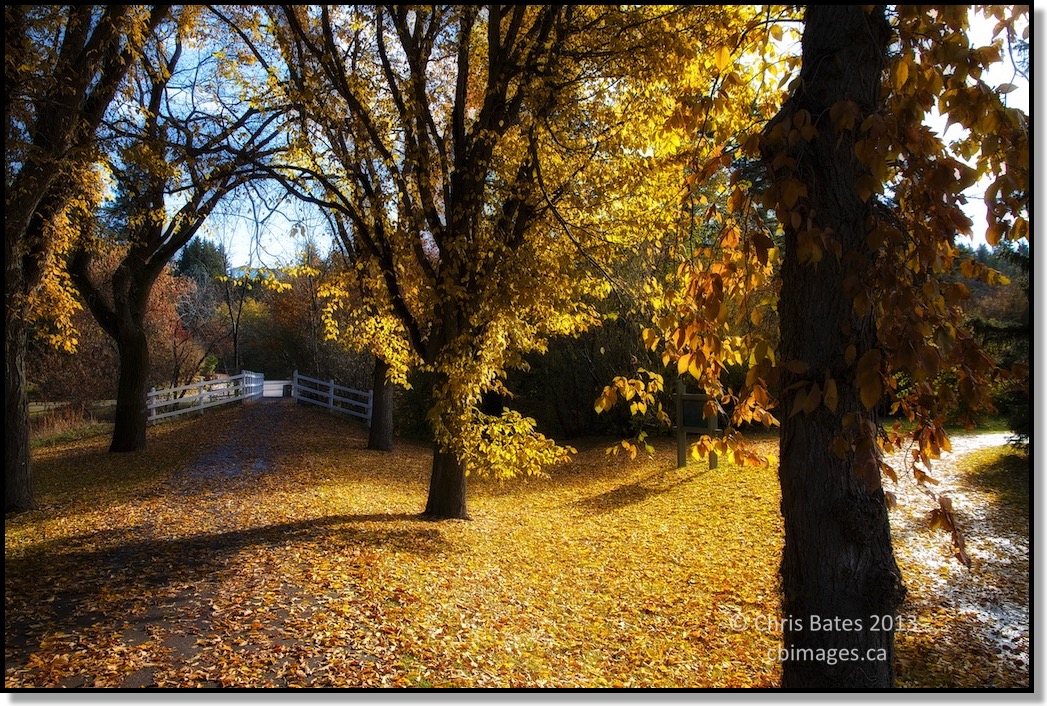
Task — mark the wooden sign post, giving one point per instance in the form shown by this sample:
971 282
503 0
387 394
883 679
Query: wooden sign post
690 417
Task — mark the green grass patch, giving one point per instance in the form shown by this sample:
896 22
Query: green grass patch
1003 471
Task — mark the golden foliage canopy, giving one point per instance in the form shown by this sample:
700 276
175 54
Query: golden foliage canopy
925 361
487 169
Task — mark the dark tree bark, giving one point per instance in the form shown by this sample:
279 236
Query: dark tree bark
838 564
446 487
61 125
18 481
132 415
124 322
380 437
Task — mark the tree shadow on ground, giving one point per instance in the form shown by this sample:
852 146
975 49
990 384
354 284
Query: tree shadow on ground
1008 477
649 486
104 577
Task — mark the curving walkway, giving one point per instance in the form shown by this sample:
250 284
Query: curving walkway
992 597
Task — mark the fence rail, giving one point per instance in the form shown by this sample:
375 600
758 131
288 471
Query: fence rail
175 401
326 393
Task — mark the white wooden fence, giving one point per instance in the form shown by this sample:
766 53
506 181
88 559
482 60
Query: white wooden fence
174 401
326 393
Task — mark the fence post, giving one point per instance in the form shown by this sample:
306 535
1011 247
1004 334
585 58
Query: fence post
151 403
330 396
370 406
248 383
681 434
710 425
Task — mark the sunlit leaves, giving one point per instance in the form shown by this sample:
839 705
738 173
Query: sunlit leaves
519 186
722 57
505 446
641 394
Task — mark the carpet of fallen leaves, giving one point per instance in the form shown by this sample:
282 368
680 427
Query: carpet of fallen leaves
265 546
967 627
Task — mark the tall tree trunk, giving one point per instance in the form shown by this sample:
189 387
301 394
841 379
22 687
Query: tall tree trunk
23 271
381 434
124 322
841 585
90 66
18 479
446 487
447 484
132 416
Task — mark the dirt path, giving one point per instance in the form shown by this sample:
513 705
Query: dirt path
989 601
243 456
164 595
194 625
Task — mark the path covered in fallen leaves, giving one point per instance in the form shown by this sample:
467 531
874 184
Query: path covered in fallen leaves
963 624
265 546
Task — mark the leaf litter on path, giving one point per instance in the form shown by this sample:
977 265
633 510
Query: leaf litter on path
963 626
298 559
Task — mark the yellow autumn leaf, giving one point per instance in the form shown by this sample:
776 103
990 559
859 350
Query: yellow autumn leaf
830 397
722 58
870 391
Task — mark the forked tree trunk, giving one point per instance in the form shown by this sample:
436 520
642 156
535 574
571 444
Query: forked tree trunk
446 487
18 479
380 437
132 416
841 585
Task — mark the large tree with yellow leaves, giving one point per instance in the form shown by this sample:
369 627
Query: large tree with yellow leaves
489 166
860 201
63 65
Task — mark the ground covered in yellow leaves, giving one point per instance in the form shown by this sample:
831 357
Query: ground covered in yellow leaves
264 546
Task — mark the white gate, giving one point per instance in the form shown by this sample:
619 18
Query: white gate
337 398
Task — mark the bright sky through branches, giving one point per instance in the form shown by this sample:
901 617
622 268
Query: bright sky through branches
1002 73
277 240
